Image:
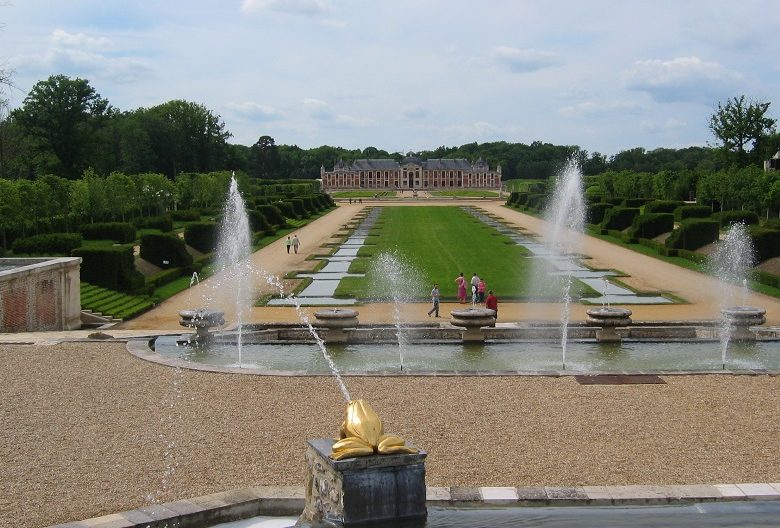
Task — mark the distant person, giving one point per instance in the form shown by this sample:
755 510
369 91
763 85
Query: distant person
289 243
474 286
461 282
481 291
295 243
491 303
434 301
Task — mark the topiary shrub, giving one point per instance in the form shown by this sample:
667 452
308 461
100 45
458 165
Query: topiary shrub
299 207
619 217
164 223
596 212
202 236
110 267
662 206
258 223
692 211
122 232
693 234
52 243
651 225
614 201
273 215
766 242
165 250
535 201
186 215
635 202
727 218
287 209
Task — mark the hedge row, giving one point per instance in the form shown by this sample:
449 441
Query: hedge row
663 206
595 213
693 233
122 232
619 218
110 267
651 225
52 243
164 250
164 223
202 236
766 242
186 215
727 218
692 211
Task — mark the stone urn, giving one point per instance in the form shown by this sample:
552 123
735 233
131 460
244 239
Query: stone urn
202 320
336 320
739 319
472 319
608 319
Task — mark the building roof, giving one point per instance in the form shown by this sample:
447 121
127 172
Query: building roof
375 164
447 164
431 164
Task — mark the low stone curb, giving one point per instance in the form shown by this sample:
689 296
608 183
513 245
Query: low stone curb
289 501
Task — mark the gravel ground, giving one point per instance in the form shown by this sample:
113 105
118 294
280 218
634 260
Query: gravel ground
85 426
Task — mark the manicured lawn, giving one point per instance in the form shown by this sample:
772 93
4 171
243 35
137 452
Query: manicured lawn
361 194
466 193
520 185
434 244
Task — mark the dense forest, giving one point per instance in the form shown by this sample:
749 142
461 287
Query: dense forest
64 127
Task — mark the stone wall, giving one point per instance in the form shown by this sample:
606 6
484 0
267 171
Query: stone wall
39 294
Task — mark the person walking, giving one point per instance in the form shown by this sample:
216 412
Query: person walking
481 291
491 303
295 243
434 301
289 243
461 282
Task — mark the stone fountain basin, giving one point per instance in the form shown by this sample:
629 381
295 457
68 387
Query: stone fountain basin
609 316
473 317
202 318
336 318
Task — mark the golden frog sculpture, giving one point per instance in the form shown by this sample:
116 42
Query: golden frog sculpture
362 434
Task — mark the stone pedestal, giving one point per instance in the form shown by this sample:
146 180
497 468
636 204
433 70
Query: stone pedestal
363 490
336 320
739 319
609 319
472 319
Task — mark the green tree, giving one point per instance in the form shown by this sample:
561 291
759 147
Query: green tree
121 194
62 116
264 158
10 207
741 126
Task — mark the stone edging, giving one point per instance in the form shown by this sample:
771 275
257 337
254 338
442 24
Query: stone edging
289 501
140 349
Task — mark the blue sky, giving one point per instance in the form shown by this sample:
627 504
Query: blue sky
410 75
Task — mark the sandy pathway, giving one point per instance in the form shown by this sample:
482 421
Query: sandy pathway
645 274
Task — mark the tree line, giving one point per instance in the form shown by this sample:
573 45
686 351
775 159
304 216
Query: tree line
65 127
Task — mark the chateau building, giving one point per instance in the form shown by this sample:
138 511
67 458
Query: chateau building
411 173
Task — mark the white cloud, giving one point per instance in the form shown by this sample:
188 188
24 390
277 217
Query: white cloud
686 79
416 112
60 37
321 111
294 7
669 124
254 111
525 60
86 63
594 109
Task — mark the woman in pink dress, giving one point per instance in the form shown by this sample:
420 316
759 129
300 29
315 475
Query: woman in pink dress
461 281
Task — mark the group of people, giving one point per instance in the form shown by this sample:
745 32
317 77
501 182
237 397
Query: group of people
478 288
293 242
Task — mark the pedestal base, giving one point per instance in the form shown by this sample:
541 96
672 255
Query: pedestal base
363 490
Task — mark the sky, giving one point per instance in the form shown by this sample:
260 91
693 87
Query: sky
409 75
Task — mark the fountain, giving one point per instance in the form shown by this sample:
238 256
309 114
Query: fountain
473 319
608 319
731 262
336 321
565 216
202 320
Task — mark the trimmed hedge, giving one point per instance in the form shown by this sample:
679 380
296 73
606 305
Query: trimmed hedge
165 250
651 225
766 278
535 201
300 207
164 277
122 232
596 212
619 218
287 209
202 236
259 224
62 243
110 267
186 215
766 242
663 206
635 202
272 214
614 201
727 218
692 211
164 223
693 234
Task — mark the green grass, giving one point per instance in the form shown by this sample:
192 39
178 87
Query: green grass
520 185
464 193
435 244
113 303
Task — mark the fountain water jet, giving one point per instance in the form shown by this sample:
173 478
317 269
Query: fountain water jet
733 258
565 216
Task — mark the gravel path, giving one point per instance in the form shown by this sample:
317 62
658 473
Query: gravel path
81 426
